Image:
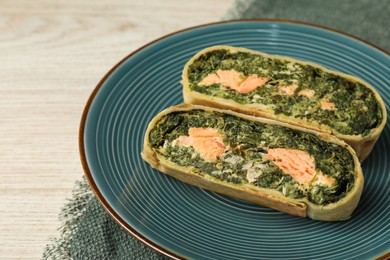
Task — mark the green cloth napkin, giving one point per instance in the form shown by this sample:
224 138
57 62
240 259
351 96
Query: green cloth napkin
88 231
366 19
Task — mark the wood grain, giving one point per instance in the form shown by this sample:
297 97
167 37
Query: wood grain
52 55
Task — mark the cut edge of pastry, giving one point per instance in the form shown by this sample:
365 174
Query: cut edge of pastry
341 210
362 145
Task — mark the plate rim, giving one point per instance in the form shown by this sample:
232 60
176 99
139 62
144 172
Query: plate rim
81 141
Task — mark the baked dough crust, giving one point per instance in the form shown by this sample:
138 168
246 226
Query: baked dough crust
340 210
362 145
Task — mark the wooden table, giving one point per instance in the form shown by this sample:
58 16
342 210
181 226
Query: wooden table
52 55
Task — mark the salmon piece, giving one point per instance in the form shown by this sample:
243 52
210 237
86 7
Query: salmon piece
230 78
251 83
288 90
327 105
234 80
307 93
208 142
298 164
210 80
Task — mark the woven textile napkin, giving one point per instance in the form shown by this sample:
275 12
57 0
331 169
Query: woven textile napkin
366 19
88 231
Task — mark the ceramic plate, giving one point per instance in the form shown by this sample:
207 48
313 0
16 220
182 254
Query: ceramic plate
187 222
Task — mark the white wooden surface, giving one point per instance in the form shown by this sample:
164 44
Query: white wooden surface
52 55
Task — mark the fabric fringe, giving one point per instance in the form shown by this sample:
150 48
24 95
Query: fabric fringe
59 248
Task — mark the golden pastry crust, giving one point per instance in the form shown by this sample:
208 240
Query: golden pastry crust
362 145
340 210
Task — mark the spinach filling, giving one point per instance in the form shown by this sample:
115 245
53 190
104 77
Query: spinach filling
247 141
358 111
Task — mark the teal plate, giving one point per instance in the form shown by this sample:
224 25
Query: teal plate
183 221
